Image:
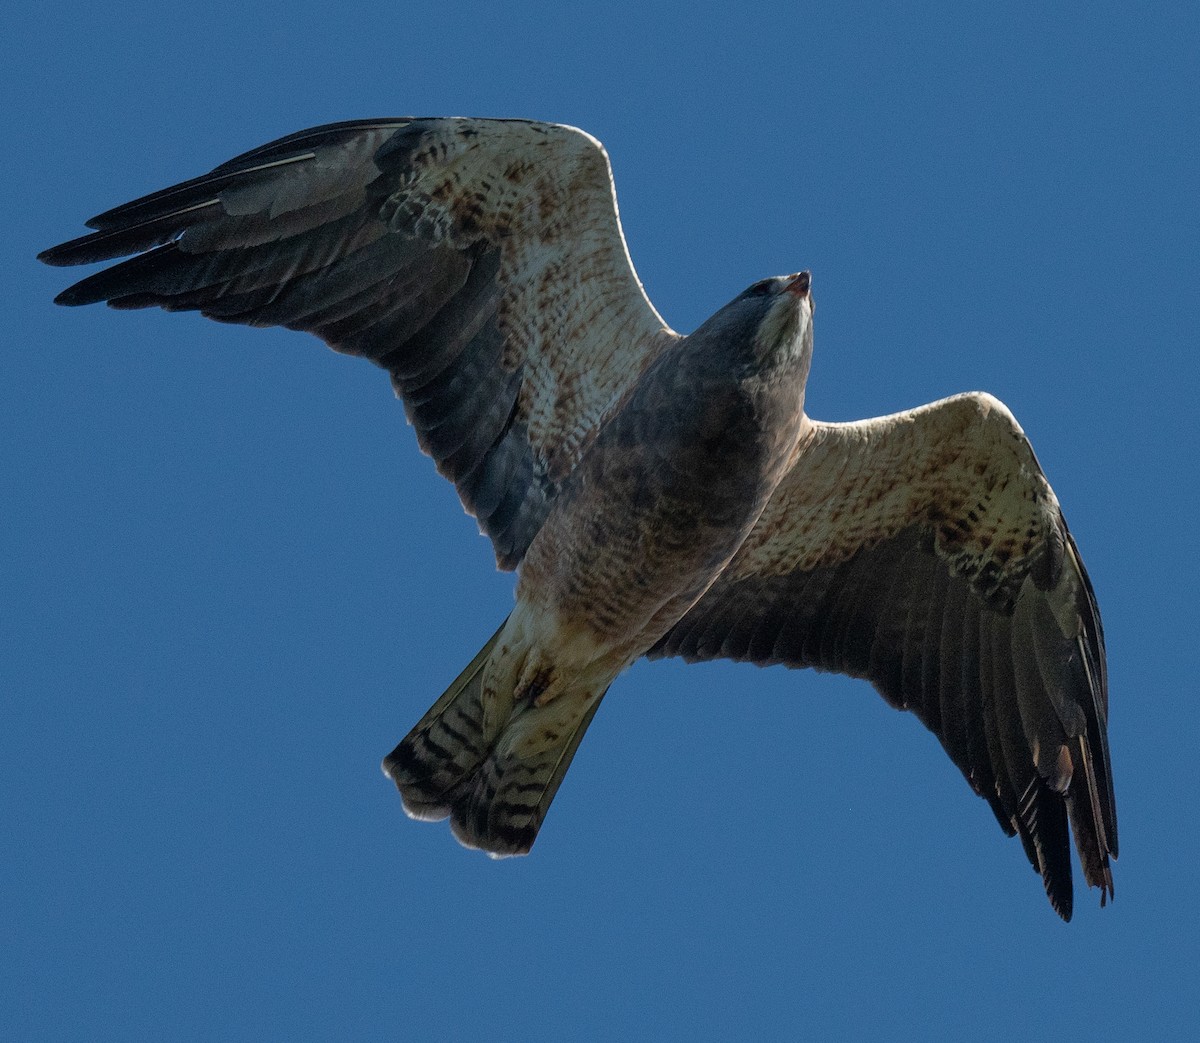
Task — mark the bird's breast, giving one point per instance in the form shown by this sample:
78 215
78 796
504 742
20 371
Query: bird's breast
660 503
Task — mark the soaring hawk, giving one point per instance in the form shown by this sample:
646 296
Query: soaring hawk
659 494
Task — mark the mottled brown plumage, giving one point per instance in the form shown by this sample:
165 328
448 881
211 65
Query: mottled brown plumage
660 494
926 552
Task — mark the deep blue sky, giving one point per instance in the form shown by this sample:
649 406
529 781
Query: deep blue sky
230 582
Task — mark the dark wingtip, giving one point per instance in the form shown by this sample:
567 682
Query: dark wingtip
77 295
1061 901
56 256
1064 906
87 249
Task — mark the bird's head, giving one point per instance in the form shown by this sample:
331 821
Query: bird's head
785 327
770 321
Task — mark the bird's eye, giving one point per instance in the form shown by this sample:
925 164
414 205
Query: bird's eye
761 288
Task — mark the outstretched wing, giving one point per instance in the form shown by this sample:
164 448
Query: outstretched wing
926 553
481 262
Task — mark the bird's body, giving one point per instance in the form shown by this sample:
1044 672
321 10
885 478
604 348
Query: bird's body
660 495
628 547
722 431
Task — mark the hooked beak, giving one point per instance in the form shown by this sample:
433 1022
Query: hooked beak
799 285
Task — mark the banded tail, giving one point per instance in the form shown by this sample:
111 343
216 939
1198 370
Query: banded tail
496 790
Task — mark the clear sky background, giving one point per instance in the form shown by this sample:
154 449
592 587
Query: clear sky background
230 582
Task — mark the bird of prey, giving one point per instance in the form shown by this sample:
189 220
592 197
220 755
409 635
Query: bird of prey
658 494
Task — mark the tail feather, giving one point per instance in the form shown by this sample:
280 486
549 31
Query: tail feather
445 747
502 807
494 787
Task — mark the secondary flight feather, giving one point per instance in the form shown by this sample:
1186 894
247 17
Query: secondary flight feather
659 494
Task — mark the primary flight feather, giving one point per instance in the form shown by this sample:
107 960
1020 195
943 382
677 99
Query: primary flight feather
659 494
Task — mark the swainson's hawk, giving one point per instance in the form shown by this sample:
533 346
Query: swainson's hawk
659 494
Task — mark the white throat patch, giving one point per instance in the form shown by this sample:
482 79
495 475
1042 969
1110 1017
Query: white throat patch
781 335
